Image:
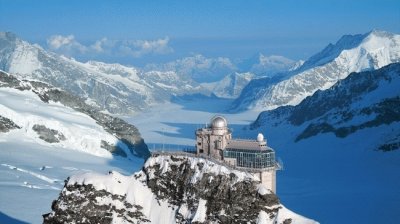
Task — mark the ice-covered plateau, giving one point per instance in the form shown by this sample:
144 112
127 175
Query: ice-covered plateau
170 189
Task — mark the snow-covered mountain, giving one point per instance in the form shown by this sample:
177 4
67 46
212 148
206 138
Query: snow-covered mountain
112 87
350 54
197 67
271 65
360 101
170 189
231 86
48 115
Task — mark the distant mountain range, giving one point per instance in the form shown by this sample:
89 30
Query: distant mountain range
352 53
123 89
259 83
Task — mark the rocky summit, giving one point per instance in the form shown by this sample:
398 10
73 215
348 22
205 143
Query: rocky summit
170 189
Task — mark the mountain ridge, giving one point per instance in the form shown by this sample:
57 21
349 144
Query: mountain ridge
373 50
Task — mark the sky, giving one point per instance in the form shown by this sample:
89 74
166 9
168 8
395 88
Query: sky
140 32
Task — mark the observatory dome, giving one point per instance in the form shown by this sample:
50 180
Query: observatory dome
218 122
260 137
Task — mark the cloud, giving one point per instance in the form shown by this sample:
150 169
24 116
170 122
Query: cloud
159 46
133 48
99 46
65 43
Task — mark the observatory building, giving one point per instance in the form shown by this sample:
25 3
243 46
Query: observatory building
252 156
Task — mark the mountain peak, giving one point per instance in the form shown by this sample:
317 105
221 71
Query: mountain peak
8 36
351 53
380 33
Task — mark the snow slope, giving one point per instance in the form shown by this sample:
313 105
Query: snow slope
82 133
42 143
32 174
350 54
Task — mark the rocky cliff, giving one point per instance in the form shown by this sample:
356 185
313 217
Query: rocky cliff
170 189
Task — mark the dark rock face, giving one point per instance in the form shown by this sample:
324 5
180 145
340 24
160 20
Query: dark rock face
6 124
127 134
47 134
84 206
228 201
115 149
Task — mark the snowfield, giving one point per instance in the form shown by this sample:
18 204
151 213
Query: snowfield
25 109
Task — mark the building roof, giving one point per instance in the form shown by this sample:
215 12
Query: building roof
247 145
219 122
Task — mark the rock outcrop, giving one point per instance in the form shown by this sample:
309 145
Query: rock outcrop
170 189
6 124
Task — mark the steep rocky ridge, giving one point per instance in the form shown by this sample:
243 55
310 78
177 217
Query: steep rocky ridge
170 189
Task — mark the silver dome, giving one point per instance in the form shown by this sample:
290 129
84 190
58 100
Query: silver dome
218 122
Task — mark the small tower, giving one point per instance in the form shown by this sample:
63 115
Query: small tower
213 139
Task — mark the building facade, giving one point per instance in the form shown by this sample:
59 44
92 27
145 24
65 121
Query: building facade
253 156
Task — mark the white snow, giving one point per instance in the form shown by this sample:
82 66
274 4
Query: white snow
263 190
375 51
42 177
32 171
24 60
200 215
81 132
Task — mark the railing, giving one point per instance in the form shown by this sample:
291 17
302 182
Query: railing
193 154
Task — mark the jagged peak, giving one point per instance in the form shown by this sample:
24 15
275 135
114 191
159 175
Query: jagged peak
381 33
346 42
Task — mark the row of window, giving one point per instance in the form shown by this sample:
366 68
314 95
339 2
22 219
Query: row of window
252 159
